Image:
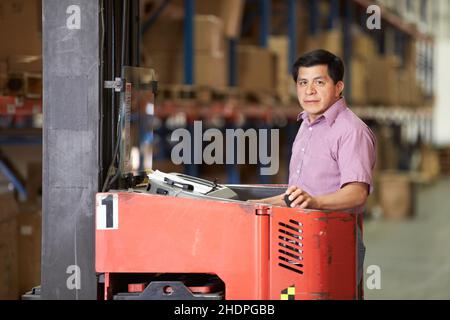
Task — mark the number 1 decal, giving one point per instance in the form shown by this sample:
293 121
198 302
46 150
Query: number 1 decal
107 212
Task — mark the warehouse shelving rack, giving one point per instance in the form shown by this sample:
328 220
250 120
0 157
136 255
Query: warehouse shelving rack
342 14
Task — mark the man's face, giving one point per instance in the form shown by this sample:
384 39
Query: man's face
316 90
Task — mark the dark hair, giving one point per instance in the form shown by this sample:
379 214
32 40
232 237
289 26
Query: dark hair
320 57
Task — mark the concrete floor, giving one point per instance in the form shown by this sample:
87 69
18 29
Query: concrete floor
413 255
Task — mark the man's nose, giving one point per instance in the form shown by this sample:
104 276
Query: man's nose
310 89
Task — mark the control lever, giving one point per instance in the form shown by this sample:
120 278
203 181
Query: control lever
184 186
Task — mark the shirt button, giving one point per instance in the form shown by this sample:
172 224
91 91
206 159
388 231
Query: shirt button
298 171
303 149
310 128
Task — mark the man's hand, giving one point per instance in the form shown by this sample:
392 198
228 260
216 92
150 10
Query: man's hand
302 199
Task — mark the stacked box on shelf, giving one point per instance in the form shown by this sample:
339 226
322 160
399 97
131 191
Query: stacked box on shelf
430 167
364 52
396 195
256 69
20 28
163 51
229 11
359 85
410 93
363 47
330 40
404 82
406 76
303 35
21 32
279 45
383 81
172 9
21 67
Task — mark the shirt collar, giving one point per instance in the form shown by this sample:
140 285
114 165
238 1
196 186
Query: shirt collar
331 114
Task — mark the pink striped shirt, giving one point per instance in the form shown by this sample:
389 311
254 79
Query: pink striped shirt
336 149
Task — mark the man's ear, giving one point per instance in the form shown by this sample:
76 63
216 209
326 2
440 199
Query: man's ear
340 88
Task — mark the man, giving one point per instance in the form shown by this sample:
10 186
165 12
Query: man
333 155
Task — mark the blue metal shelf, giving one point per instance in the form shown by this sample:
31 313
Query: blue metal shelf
292 32
265 11
10 175
189 41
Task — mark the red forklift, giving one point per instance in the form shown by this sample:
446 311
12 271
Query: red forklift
174 236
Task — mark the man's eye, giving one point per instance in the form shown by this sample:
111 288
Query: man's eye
302 83
320 82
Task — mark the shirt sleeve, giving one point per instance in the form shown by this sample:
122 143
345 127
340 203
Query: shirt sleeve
357 156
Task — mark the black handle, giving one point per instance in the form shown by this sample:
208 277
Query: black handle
184 186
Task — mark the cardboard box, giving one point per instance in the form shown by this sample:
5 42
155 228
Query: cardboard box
9 280
411 55
430 167
388 155
20 28
303 33
279 45
166 35
395 195
407 82
163 35
359 85
209 34
332 41
173 9
30 233
328 40
210 70
383 80
229 11
256 69
364 47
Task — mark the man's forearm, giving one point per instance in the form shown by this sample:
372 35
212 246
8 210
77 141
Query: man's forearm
350 196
